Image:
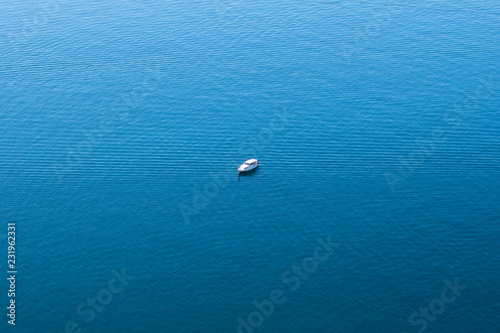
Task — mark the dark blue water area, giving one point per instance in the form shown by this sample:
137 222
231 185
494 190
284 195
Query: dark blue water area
376 125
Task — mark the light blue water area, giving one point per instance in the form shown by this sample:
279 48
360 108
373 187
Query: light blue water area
376 124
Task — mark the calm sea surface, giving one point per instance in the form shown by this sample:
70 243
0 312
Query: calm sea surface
376 123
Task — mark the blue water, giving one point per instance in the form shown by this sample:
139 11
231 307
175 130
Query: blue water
376 124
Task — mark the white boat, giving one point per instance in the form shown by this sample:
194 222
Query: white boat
248 165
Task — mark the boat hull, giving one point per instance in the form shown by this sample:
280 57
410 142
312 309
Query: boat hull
250 167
